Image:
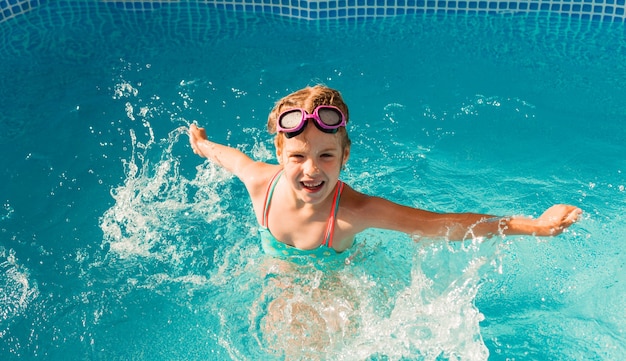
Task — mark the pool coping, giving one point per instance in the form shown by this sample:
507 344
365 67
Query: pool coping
312 10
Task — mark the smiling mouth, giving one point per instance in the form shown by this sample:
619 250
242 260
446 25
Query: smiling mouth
312 185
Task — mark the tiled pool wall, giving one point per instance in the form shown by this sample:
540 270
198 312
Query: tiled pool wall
600 10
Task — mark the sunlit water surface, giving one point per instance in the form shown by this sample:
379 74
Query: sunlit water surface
116 242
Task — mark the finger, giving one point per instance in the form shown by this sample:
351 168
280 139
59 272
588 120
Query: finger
574 215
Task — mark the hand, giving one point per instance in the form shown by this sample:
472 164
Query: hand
196 135
556 219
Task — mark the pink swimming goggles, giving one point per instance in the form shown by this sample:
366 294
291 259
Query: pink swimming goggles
327 118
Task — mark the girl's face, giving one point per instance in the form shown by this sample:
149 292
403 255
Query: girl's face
312 162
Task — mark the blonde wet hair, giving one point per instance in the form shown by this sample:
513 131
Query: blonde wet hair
308 99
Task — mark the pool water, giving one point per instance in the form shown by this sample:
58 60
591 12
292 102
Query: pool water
117 242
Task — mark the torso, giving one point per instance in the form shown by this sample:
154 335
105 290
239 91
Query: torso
305 229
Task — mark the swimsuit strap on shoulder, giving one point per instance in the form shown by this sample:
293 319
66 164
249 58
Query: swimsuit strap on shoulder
330 227
268 196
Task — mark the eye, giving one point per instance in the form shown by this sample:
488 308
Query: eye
296 157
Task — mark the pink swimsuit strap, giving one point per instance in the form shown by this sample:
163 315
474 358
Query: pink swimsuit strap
332 219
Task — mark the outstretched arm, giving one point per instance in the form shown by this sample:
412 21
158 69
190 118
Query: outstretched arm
255 175
467 225
230 158
551 223
380 213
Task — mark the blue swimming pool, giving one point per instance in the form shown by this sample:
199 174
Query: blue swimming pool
117 242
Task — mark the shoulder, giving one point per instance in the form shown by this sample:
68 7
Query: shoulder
257 175
358 209
357 201
364 211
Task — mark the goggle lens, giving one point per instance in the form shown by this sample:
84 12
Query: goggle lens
330 116
326 118
291 119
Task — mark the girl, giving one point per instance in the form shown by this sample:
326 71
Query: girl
304 209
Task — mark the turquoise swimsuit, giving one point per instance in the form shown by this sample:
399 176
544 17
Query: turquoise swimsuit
274 247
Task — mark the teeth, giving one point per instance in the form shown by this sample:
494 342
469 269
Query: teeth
312 185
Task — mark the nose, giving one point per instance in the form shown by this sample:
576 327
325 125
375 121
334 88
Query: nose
310 167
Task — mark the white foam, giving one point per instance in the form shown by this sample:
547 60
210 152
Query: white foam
376 306
17 290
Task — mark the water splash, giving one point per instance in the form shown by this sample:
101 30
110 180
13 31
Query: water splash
8 211
434 316
157 210
383 306
17 290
